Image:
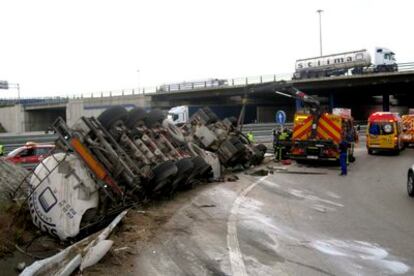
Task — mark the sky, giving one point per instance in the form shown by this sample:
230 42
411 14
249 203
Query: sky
63 48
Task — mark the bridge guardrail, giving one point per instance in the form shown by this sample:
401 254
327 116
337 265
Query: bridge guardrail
229 83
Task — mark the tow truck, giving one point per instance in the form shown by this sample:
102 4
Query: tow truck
316 133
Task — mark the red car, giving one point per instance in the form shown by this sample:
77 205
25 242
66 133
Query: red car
30 154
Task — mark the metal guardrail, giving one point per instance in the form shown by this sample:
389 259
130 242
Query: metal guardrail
262 133
14 141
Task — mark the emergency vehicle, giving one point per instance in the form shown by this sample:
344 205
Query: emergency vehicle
317 136
30 155
408 129
384 132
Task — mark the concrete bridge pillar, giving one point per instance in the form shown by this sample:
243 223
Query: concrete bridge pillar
385 102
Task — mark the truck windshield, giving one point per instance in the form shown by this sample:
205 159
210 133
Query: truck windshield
381 128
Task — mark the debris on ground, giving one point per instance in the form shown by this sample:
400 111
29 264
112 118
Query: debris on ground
206 205
260 172
83 254
301 172
286 162
273 169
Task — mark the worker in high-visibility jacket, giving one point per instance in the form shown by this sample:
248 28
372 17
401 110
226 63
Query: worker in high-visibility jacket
250 137
280 143
1 150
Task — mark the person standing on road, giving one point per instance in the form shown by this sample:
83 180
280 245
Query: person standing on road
250 137
343 149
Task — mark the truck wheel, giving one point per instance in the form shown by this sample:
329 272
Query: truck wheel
136 116
262 148
370 151
351 158
201 168
163 174
154 118
212 117
410 184
112 115
185 167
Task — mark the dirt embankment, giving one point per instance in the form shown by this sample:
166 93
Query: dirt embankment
138 228
14 220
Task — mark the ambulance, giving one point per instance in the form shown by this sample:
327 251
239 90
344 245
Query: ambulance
317 136
384 132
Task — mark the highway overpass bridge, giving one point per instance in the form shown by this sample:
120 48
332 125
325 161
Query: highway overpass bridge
363 93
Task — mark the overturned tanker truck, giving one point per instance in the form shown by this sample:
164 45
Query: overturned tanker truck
126 158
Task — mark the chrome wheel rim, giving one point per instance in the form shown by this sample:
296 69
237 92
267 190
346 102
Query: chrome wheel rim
410 183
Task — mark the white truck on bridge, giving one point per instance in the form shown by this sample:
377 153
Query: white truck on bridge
358 62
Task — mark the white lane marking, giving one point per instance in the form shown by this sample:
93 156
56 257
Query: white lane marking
236 258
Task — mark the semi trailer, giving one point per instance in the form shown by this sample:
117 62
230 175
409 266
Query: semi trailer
196 84
122 159
355 62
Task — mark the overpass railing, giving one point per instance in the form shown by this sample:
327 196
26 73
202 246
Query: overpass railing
166 88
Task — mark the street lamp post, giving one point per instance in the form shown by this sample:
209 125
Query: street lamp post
138 79
320 30
18 91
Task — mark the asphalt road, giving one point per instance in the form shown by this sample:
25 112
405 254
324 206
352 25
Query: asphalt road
293 224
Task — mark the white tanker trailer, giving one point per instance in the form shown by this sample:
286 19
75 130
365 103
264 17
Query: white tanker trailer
358 62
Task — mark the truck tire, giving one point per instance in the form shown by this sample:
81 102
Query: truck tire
112 115
351 158
136 116
201 168
209 116
185 167
370 151
163 175
154 118
262 148
410 183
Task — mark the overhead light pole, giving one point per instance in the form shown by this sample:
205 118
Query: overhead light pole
138 79
320 30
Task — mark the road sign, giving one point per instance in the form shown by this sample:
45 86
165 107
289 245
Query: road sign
4 85
280 117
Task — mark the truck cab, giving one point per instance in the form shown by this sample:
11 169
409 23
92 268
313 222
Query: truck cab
385 60
179 115
331 130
